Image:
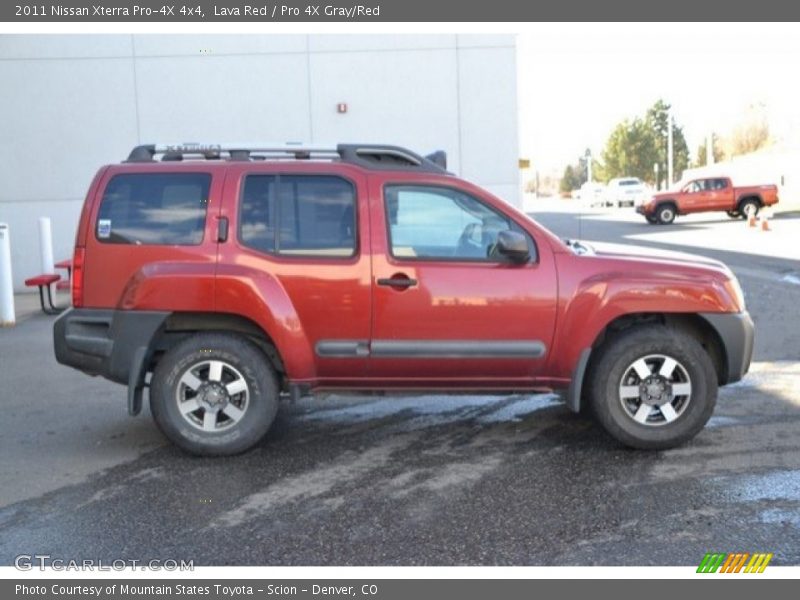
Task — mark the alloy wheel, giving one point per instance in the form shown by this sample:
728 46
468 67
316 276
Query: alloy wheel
655 390
212 395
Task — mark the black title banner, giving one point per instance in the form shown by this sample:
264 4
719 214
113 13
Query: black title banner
369 11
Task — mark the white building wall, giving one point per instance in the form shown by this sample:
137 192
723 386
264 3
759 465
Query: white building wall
72 103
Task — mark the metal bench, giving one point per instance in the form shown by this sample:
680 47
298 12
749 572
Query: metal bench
45 281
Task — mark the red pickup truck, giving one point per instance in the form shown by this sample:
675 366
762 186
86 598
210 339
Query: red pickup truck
221 278
708 194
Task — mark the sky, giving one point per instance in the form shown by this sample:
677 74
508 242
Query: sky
578 80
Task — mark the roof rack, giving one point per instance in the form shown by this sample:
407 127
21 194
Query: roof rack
370 156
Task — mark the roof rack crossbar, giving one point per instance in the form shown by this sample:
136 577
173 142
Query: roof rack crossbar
371 156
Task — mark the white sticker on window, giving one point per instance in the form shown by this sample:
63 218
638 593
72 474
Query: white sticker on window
104 228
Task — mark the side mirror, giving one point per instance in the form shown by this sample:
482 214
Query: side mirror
513 245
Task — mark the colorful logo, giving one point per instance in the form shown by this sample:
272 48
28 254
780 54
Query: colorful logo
734 562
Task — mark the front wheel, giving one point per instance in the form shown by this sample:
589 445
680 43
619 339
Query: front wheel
733 214
665 214
651 219
214 394
652 387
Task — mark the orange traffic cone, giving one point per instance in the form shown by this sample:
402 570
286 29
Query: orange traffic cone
765 223
751 221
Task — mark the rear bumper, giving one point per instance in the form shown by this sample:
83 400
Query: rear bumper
109 343
737 333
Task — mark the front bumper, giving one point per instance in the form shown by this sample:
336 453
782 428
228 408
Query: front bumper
737 332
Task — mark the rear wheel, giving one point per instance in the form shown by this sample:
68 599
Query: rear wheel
749 208
214 394
665 214
652 387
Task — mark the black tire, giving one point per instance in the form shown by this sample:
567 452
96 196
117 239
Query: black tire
257 403
665 213
749 207
613 362
651 219
733 214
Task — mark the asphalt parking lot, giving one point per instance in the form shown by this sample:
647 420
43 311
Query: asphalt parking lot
420 480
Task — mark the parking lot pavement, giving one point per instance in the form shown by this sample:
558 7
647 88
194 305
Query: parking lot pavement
407 480
719 233
59 426
713 234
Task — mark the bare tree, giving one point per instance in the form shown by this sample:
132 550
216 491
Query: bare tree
750 135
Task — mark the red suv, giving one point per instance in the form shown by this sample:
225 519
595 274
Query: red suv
220 278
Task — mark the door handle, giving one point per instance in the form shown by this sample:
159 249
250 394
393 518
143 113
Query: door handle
397 281
222 229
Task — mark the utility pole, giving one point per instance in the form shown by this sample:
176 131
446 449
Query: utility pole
710 148
669 149
588 165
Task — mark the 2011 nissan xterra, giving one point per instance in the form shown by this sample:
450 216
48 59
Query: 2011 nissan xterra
219 278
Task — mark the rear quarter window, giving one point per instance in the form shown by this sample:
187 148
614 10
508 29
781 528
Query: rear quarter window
154 209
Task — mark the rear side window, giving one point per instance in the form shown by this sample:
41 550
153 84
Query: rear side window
154 209
298 215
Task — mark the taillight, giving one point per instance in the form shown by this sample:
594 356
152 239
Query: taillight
77 277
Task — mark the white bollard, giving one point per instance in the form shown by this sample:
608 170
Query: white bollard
46 245
7 316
